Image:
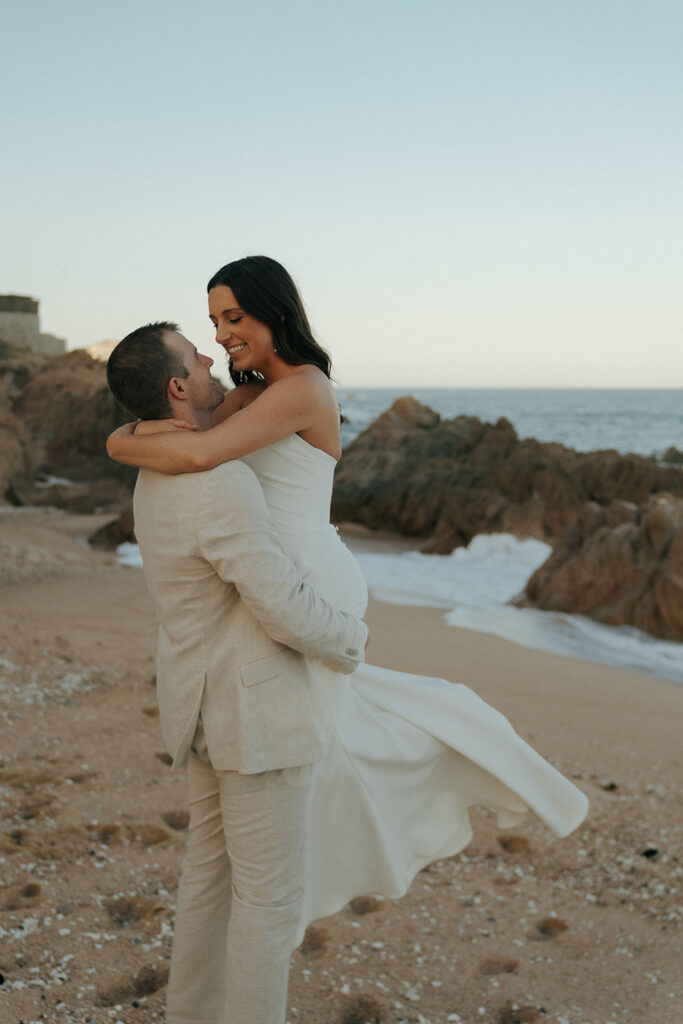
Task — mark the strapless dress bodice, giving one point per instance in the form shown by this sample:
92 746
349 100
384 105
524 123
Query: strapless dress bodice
297 483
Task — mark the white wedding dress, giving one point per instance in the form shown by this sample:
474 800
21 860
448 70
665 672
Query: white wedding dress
406 755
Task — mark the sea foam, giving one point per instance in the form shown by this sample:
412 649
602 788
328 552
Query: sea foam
476 583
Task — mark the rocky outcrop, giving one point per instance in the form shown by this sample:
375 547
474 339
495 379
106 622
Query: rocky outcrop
69 410
621 564
55 415
116 532
17 456
447 480
673 455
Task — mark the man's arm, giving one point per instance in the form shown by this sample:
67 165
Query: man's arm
237 537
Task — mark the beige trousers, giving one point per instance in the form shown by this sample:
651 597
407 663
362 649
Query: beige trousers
240 894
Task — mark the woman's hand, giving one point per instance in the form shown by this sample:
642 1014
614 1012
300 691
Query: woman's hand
160 426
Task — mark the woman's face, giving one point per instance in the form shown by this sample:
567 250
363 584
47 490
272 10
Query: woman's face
247 341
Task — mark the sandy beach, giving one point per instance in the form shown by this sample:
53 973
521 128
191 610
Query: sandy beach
519 927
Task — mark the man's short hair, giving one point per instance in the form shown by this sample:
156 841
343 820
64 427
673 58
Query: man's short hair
139 369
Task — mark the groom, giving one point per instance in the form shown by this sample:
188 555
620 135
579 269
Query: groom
236 701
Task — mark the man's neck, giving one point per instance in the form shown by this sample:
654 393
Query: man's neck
198 417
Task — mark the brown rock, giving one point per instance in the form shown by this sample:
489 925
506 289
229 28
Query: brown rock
17 456
673 455
447 480
118 531
622 565
71 497
69 410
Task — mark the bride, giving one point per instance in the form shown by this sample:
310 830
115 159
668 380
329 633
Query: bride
406 755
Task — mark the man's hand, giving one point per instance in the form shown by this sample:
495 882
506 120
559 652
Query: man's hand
159 426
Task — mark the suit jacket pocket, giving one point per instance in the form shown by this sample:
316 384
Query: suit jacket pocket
260 670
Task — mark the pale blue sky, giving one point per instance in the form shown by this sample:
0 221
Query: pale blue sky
469 193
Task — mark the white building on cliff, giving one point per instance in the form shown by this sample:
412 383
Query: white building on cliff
19 325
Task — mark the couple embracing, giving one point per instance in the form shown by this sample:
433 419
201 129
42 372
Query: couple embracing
289 741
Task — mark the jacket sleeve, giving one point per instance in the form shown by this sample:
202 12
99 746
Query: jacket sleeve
237 537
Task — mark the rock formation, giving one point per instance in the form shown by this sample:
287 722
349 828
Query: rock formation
56 413
447 480
620 564
116 531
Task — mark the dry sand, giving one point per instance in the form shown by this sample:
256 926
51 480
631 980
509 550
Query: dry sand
520 927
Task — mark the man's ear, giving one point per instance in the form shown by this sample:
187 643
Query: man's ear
176 389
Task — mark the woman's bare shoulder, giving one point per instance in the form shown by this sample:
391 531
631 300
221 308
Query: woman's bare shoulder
306 382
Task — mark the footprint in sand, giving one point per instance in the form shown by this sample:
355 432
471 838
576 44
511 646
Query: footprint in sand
113 834
23 896
315 941
149 979
514 844
177 820
498 965
363 1010
549 928
512 1014
365 905
132 909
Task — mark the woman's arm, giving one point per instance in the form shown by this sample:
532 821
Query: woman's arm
286 407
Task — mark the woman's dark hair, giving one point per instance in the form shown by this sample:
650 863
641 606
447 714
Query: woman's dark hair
264 290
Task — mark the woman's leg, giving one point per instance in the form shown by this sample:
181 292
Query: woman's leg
196 989
264 818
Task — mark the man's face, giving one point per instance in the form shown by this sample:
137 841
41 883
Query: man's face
202 393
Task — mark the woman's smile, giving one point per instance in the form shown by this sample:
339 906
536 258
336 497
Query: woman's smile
243 337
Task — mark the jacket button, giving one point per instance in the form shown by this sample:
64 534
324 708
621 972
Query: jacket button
351 651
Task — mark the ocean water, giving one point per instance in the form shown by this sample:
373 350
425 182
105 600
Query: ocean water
646 422
474 584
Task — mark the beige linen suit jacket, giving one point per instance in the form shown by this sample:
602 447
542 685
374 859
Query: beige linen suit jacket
233 616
